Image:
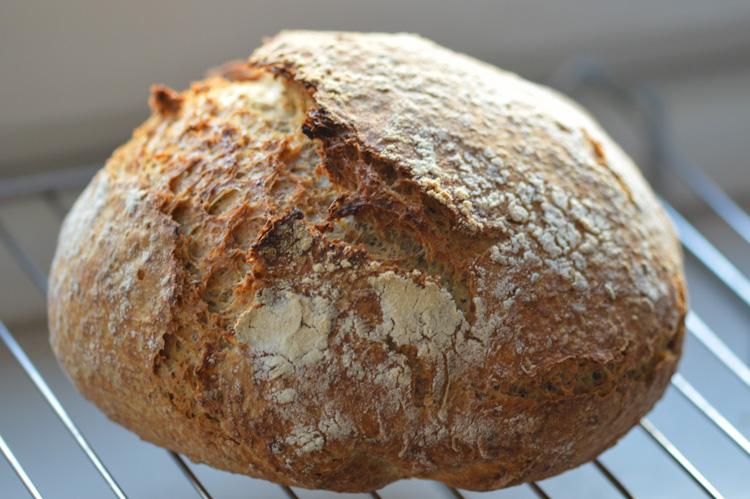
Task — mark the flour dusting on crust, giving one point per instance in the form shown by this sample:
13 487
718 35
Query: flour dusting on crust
287 324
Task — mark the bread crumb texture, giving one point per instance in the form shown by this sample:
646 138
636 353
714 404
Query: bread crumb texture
362 257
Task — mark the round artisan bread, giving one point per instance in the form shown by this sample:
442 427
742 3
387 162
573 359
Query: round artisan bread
362 257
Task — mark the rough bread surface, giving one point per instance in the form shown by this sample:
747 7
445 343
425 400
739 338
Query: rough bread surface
362 257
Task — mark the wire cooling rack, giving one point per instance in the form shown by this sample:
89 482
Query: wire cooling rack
692 445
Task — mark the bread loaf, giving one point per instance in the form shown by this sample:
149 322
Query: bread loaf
358 258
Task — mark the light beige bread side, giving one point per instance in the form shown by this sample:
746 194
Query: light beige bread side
359 258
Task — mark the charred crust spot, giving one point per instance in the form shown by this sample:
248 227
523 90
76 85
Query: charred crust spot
289 73
164 100
319 124
276 232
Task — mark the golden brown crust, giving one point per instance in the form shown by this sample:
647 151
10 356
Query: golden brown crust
360 258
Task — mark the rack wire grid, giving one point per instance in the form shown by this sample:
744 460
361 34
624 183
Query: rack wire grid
693 444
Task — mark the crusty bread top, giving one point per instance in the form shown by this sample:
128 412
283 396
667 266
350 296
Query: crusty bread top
361 257
445 118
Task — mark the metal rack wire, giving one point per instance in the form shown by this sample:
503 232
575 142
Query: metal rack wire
46 186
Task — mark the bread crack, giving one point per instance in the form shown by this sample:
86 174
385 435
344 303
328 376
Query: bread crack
387 213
